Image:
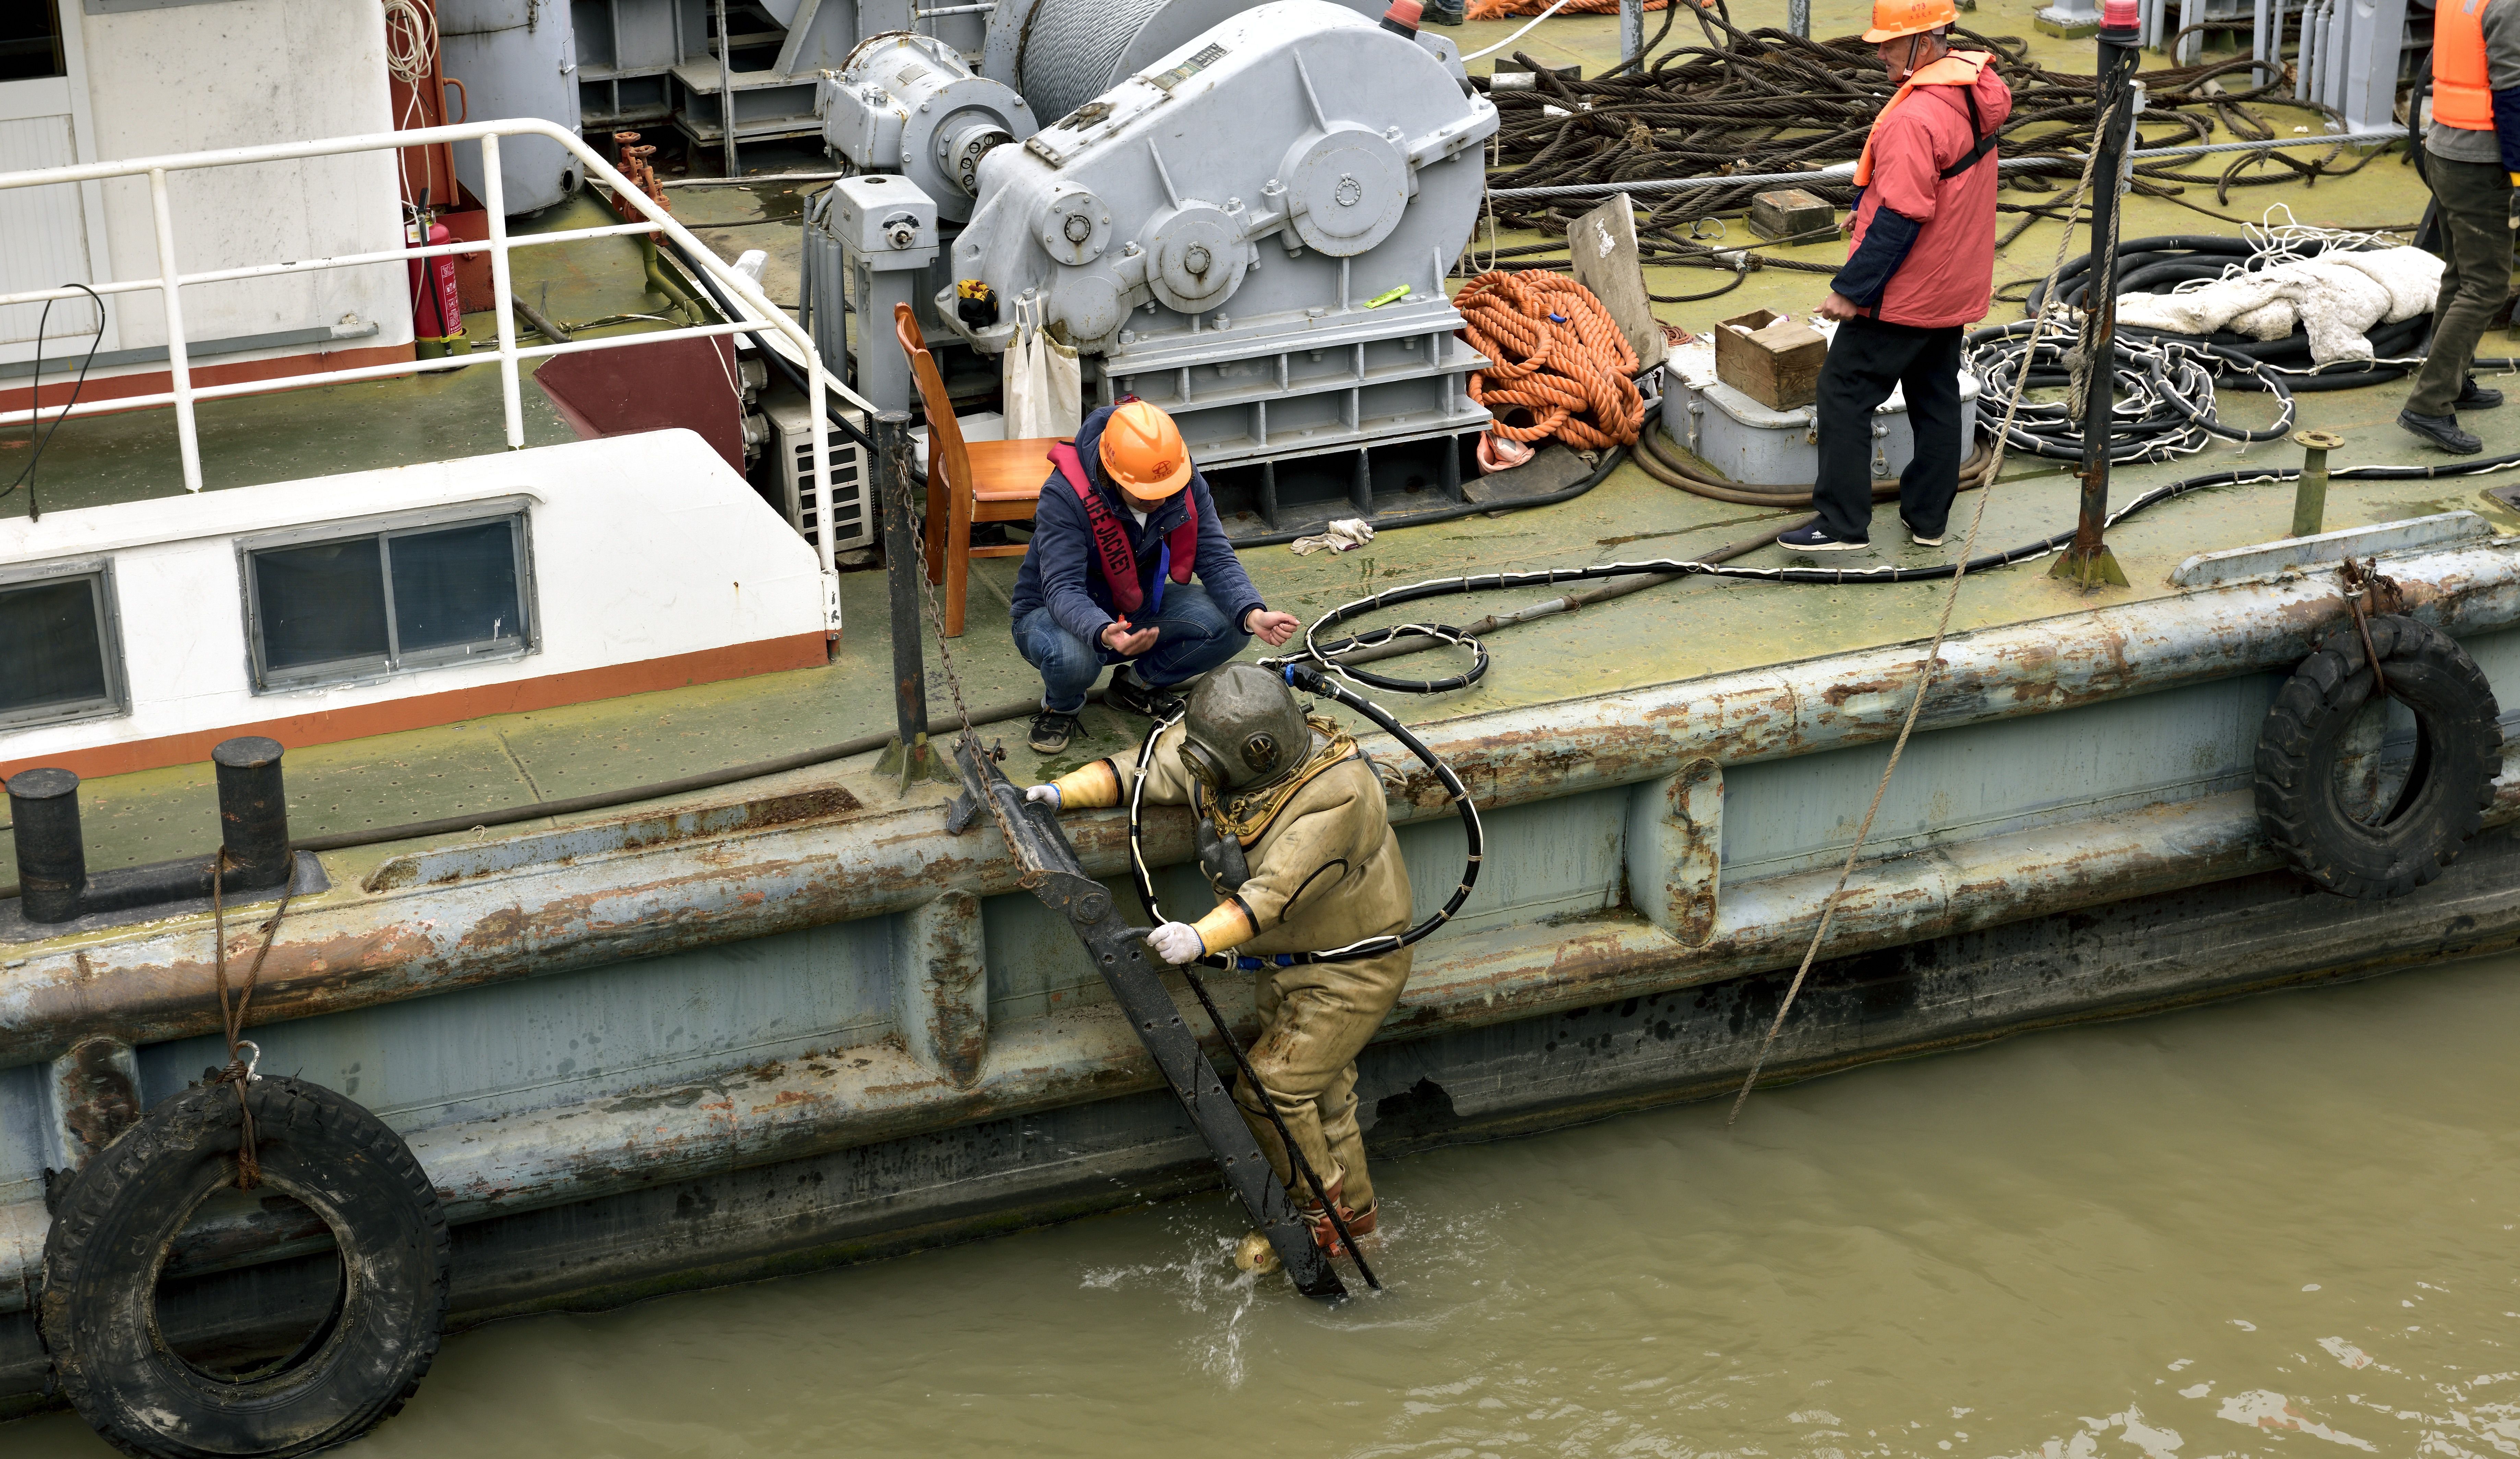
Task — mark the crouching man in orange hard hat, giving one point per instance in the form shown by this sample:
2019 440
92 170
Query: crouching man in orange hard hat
1920 268
1124 525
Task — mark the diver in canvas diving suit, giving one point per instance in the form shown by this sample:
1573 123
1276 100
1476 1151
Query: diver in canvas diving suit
1295 839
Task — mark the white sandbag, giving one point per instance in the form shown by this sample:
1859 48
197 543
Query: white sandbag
2201 310
1044 387
2337 298
2272 319
2338 304
2412 275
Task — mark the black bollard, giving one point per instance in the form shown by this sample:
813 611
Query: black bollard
253 812
52 859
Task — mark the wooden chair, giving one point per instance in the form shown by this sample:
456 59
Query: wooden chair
967 481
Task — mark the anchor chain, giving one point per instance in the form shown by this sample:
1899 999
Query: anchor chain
896 475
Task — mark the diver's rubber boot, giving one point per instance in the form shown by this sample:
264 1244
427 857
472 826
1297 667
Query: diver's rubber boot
1253 1253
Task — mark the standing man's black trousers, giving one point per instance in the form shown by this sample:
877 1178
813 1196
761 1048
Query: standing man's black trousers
1865 361
2475 200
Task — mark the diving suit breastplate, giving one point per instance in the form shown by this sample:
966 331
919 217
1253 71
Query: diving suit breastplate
1229 825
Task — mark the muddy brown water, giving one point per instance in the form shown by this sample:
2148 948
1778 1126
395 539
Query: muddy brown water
2279 1226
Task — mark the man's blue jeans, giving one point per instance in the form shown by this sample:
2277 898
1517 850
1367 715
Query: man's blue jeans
1195 638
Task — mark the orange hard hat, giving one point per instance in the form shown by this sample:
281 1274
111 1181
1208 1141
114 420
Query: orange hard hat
1142 451
1893 19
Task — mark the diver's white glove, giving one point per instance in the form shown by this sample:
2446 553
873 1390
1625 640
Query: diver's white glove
1047 794
1177 941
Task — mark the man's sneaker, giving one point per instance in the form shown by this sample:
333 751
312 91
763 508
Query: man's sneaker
2442 431
1920 538
2476 397
1131 694
1814 539
1051 730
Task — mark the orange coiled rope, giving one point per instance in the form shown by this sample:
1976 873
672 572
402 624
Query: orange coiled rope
1558 356
1502 10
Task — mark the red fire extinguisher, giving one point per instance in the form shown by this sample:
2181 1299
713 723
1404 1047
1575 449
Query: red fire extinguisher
436 305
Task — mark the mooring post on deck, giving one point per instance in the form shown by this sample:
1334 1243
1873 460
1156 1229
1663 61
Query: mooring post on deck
896 466
2089 561
2309 494
1632 28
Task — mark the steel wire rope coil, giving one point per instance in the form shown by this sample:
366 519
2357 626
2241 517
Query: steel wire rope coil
1764 102
2162 406
1071 49
1307 680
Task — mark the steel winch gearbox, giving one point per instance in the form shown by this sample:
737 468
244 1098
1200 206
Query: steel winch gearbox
908 104
1255 229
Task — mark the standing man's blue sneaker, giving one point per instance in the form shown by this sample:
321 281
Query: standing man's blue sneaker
1814 539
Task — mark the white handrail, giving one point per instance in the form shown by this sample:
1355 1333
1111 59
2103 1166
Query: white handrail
762 319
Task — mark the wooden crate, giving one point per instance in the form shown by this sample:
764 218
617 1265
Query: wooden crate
1776 362
1792 212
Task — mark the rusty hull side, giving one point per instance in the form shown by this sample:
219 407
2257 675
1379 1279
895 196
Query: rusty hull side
707 1224
1510 974
419 935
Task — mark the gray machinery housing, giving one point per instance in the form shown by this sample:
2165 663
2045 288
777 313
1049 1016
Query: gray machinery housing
871 243
651 61
1253 233
909 103
912 116
516 58
643 62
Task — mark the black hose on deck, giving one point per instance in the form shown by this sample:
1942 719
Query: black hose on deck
1327 656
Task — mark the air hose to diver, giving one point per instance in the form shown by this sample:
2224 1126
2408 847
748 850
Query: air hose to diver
1304 677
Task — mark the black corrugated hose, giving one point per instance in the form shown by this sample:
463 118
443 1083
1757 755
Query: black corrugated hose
1327 653
2160 264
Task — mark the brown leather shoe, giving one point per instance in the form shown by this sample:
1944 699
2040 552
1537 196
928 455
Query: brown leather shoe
1253 1253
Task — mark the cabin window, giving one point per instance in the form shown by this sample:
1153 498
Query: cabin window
30 42
60 655
328 606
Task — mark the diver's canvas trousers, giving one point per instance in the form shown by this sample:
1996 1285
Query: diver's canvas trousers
1314 1019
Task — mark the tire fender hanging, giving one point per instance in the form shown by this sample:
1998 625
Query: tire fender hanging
116 1221
2448 786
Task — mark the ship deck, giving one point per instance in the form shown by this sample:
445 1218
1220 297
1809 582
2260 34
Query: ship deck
1677 632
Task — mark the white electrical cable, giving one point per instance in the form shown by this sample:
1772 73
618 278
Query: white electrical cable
411 54
411 40
1517 35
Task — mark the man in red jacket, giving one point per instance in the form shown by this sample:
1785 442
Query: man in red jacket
1921 268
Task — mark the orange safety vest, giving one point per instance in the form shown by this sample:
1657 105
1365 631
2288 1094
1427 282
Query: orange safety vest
1961 69
2461 98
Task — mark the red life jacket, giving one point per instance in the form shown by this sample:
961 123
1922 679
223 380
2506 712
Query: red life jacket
1111 538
